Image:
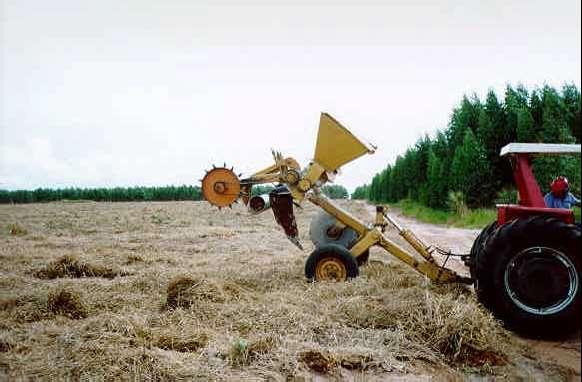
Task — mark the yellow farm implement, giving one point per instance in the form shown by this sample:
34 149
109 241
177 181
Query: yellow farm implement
334 258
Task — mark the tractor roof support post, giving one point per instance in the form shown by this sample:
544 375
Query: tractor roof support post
530 194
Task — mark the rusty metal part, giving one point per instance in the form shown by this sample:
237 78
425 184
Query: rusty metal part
221 187
245 193
331 269
281 202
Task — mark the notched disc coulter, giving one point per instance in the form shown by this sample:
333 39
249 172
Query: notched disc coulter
221 187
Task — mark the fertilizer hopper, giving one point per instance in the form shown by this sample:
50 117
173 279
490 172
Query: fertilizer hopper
336 145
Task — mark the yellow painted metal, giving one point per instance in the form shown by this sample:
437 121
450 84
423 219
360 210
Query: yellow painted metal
408 235
297 194
292 163
417 244
292 177
275 168
380 221
277 172
266 178
336 145
314 173
268 170
366 241
429 269
304 185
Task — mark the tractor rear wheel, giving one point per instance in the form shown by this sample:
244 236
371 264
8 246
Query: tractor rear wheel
529 275
322 231
331 262
478 246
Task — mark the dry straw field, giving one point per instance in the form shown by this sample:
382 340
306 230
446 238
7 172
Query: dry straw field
180 290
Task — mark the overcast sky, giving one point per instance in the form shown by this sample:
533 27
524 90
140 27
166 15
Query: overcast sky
135 92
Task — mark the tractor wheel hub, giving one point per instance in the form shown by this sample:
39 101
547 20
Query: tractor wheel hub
541 280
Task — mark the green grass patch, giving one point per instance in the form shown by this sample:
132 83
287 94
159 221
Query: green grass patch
477 218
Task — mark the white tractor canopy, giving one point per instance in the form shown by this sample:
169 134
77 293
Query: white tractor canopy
540 148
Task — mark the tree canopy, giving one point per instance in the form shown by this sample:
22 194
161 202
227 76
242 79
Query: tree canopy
116 194
464 157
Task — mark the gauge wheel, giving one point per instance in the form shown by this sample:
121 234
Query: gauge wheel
331 262
478 246
322 231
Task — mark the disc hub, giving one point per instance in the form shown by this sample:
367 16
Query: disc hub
541 280
220 187
331 269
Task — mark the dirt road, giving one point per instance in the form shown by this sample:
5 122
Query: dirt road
458 240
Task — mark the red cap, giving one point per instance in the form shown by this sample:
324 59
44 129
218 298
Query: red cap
559 186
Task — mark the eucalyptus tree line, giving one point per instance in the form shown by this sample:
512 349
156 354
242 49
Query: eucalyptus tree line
465 156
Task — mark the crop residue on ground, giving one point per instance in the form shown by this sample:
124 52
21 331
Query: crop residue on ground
105 291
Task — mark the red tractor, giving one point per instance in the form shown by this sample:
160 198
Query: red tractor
527 264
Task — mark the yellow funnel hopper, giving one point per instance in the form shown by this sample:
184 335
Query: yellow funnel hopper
335 145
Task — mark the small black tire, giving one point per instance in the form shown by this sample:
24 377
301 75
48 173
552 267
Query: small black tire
478 246
331 262
529 276
319 235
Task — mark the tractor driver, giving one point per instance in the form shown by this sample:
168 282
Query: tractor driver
560 195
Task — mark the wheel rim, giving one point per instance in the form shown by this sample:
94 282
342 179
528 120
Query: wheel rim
331 269
541 280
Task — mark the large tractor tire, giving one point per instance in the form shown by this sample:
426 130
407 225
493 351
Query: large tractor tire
331 262
529 275
478 246
322 232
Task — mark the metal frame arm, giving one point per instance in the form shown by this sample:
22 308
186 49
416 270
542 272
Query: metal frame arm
370 236
336 211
